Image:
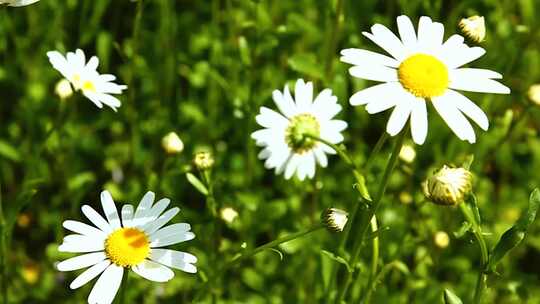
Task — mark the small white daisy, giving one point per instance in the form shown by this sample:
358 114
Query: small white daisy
131 241
84 77
285 146
423 68
18 2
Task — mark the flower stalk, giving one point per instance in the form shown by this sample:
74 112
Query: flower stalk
3 264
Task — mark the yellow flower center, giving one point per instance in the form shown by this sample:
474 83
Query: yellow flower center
127 247
423 75
300 126
88 86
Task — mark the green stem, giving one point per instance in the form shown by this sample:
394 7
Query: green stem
333 39
364 224
374 260
3 264
123 288
273 243
477 231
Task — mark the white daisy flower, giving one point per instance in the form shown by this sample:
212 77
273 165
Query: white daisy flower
18 2
131 241
422 68
84 77
285 146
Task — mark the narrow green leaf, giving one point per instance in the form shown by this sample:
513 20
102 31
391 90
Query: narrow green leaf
450 297
306 64
195 182
9 152
512 237
337 259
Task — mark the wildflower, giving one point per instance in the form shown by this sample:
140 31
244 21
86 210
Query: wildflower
85 78
17 2
441 239
423 68
203 160
132 240
474 28
288 139
448 186
63 89
534 93
172 143
228 214
335 219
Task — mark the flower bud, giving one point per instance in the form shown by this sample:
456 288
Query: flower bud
335 219
474 28
448 186
172 143
63 89
203 160
534 93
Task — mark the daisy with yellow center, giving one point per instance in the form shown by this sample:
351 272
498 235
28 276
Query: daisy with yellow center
84 77
422 69
132 240
288 136
18 2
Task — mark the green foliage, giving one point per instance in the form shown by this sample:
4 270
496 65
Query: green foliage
203 69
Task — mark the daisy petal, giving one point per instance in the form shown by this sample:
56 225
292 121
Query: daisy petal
110 210
387 40
153 271
392 91
481 85
81 261
96 219
175 259
419 121
471 73
176 231
303 93
151 227
398 118
406 32
363 57
374 72
107 285
469 108
145 205
89 274
127 215
83 228
453 118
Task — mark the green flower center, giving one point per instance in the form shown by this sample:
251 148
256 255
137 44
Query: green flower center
300 126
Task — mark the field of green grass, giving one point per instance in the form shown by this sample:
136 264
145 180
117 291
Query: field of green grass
203 69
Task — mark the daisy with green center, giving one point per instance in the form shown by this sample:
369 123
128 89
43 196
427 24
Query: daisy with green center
422 69
288 137
84 77
132 241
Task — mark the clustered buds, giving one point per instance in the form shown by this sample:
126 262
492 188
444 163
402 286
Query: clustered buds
172 143
203 160
448 186
474 28
335 219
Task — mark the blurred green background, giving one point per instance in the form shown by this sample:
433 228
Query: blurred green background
203 69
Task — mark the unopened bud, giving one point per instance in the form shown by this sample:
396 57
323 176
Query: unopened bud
474 28
228 214
335 219
172 143
448 186
203 160
407 153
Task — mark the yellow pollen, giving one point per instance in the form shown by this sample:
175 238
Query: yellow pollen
88 86
423 75
127 247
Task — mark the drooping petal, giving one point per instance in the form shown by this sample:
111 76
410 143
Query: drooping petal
175 259
453 118
89 274
153 271
107 285
419 121
398 118
469 108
